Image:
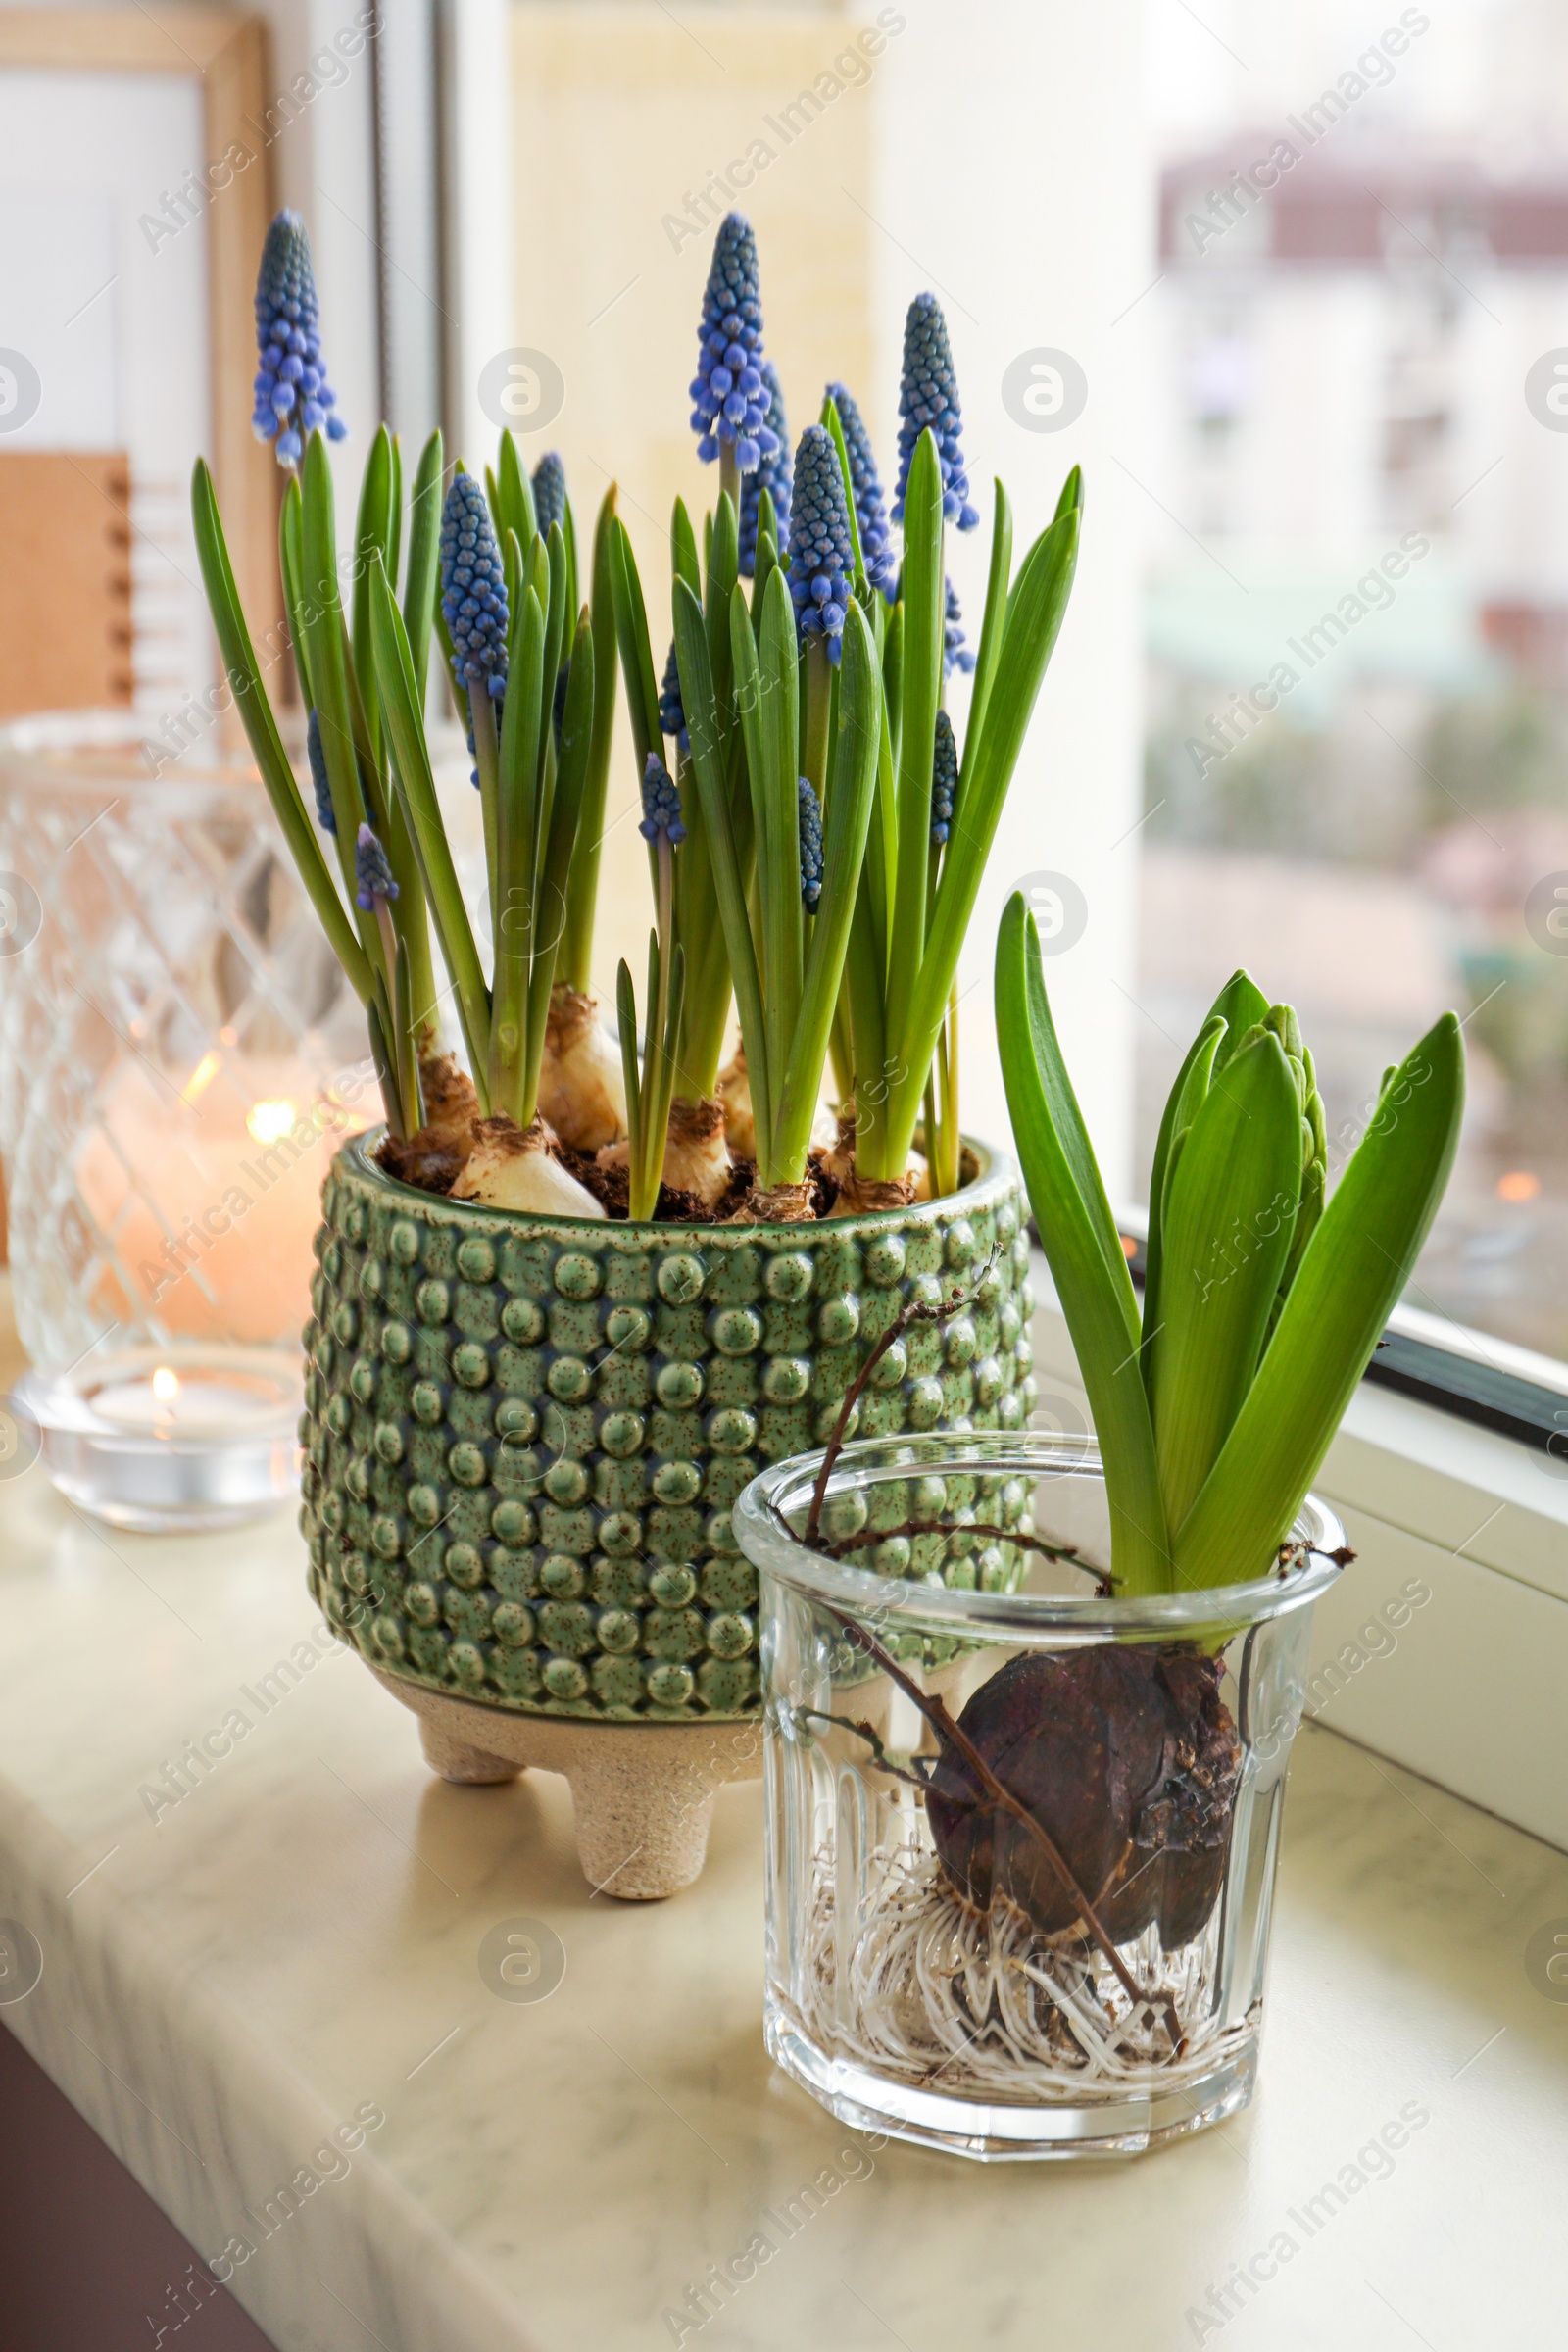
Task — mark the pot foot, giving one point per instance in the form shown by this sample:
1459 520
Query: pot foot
456 1760
642 1794
642 1829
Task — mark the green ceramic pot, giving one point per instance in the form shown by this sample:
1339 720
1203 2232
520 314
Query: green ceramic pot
524 1435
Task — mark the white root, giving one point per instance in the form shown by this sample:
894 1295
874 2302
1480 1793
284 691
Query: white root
509 1168
582 1092
989 2004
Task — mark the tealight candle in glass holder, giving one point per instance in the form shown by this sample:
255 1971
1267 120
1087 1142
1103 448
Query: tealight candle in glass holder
179 1058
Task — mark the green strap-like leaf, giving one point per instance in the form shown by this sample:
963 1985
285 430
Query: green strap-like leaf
1181 1108
373 538
424 561
403 717
1096 1295
1356 1265
514 907
1230 1210
708 744
991 633
582 890
261 728
1037 604
561 844
922 597
636 654
849 821
1243 1008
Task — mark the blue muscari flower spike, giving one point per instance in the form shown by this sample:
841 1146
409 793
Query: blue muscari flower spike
776 474
929 397
730 397
944 779
474 590
820 553
876 540
372 873
662 818
293 397
326 815
672 711
810 846
549 493
955 652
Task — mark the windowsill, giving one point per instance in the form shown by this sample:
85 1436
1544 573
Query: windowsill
1467 1689
294 1946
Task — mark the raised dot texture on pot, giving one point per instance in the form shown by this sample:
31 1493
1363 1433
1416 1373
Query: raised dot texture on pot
680 1278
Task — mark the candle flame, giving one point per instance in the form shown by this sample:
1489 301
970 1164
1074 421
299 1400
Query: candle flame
267 1121
1519 1184
166 1384
202 1076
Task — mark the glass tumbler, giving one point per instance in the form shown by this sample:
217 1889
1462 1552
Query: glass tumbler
1021 1833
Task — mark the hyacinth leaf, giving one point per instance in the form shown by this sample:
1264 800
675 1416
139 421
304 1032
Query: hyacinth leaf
766 697
569 533
1181 1106
402 718
922 597
582 888
261 728
1243 1008
405 1028
385 1069
1036 606
636 654
372 537
558 849
991 633
626 1023
510 494
1355 1269
395 547
513 910
724 572
422 585
325 638
1229 1212
834 423
291 564
559 619
683 549
708 761
851 789
1090 1272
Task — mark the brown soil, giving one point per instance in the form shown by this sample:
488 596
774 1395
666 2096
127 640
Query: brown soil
433 1167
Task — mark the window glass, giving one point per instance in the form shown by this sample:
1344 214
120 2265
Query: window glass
1356 613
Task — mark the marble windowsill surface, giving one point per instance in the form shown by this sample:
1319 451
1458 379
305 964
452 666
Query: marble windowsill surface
296 1943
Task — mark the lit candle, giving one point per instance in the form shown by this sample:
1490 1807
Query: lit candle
199 1402
208 1193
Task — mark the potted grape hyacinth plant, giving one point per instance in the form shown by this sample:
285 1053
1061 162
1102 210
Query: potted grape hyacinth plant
1035 1695
586 1282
